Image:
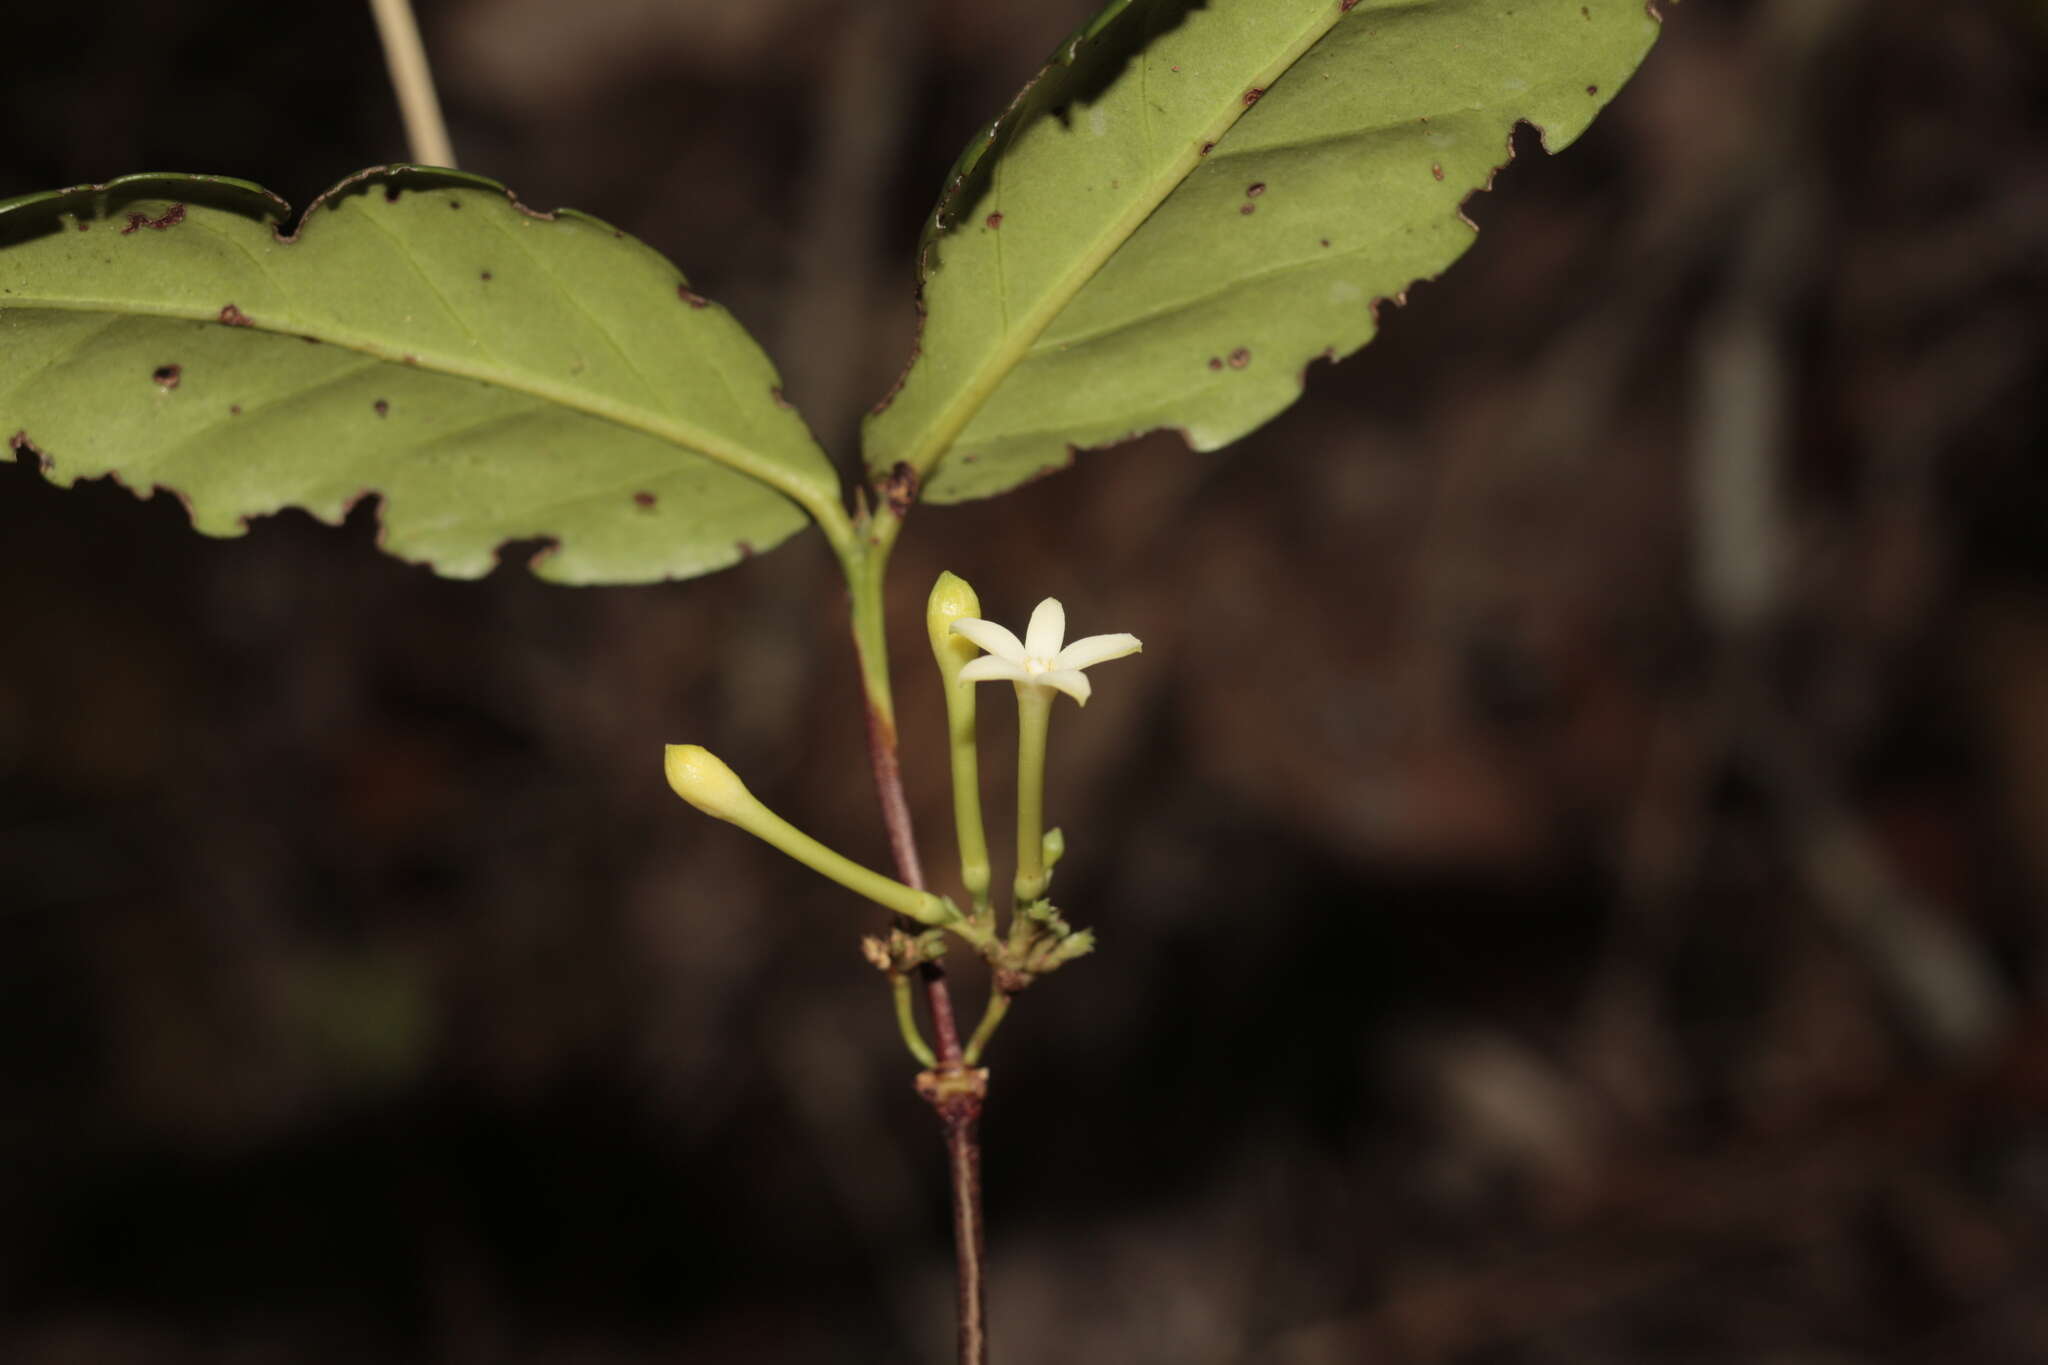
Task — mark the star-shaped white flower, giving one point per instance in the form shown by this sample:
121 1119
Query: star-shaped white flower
1038 660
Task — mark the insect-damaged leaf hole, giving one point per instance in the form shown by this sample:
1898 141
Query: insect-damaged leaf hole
167 376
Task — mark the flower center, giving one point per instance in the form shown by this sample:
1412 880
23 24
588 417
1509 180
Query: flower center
1038 665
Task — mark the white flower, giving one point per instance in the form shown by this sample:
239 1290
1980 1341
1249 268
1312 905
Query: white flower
1038 660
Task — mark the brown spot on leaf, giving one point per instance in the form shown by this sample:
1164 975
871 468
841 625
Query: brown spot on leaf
1346 7
391 193
644 500
1592 89
409 358
775 397
1247 208
745 547
454 203
168 376
1240 358
994 221
485 276
689 296
1251 96
234 409
171 217
83 225
1207 148
1436 168
899 489
1215 362
1326 241
1255 189
381 408
232 316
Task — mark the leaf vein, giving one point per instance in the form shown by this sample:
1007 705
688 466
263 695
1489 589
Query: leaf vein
152 460
63 355
412 263
1047 346
652 393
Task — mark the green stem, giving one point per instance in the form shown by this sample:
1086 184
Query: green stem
967 827
906 1021
1034 716
865 561
908 901
991 1018
955 1091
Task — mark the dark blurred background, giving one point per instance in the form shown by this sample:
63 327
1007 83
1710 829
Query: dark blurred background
1569 861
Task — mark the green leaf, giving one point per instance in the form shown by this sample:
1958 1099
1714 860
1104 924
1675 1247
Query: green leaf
1197 198
493 373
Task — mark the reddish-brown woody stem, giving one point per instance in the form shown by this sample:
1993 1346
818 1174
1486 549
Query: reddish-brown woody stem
955 1091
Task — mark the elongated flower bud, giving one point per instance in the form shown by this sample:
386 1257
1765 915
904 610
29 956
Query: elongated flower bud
701 778
952 600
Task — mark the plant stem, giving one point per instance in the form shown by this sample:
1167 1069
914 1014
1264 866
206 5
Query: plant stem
955 1091
998 1006
1034 717
963 1154
406 58
864 567
906 1020
911 902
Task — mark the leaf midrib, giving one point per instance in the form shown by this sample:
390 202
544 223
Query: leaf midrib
952 418
819 504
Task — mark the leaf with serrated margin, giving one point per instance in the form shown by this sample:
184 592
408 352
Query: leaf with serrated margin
1197 198
493 373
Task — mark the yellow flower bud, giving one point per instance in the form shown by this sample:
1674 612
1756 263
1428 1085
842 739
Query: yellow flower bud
951 600
701 778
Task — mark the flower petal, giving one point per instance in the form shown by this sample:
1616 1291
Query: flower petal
1096 649
990 668
997 640
1048 627
1071 681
